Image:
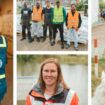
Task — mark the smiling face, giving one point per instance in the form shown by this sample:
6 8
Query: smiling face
50 74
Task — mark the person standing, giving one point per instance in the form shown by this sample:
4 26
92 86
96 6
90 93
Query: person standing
37 20
51 88
3 62
58 19
73 24
25 21
47 12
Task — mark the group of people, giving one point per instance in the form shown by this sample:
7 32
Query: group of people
52 18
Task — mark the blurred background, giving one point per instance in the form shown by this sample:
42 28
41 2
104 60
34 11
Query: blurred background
74 68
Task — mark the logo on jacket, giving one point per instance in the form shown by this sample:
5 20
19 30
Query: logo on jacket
1 63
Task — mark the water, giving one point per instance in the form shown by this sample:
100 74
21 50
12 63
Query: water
76 77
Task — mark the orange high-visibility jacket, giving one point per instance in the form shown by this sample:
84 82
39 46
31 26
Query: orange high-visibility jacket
62 97
73 20
37 14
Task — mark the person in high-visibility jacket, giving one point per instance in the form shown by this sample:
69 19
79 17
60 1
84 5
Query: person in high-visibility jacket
37 20
58 19
73 24
3 62
51 88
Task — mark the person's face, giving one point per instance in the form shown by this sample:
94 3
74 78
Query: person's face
58 4
25 5
50 74
48 4
73 8
37 5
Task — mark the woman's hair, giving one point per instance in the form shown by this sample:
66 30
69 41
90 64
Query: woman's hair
59 78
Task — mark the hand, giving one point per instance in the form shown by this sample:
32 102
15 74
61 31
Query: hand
76 29
67 28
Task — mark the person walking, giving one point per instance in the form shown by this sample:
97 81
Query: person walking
73 24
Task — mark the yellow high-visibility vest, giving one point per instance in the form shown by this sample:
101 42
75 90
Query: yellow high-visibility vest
58 15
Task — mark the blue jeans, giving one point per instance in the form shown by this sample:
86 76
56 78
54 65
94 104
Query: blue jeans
72 34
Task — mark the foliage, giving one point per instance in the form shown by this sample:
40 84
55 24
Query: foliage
101 6
80 6
65 59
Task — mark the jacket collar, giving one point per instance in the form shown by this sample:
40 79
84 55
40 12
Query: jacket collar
37 91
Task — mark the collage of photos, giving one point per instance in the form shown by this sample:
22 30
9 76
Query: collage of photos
52 52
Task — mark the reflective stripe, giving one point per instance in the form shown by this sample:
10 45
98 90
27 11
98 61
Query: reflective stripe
4 42
2 76
69 97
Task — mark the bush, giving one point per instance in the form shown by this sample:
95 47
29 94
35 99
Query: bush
101 6
80 7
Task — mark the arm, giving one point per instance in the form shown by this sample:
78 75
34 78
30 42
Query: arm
80 21
21 14
52 14
64 14
30 12
43 14
67 20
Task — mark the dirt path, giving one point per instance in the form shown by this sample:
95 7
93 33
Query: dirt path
44 46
